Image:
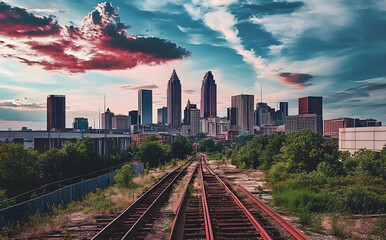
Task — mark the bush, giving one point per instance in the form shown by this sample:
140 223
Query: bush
124 178
357 199
304 199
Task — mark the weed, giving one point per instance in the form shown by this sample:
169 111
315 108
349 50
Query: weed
192 189
305 216
316 223
336 229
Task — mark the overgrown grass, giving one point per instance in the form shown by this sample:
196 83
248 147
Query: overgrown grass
303 199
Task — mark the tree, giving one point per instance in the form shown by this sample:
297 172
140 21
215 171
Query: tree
181 148
243 139
51 165
124 178
152 152
218 146
206 145
303 149
18 168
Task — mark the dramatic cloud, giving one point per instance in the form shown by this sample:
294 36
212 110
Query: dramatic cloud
17 22
151 86
102 42
299 80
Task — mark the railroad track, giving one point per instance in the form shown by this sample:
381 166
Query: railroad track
135 221
215 212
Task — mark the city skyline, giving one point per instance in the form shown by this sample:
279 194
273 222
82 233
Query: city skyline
321 50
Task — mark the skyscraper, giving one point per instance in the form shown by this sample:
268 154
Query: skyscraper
283 108
80 123
133 117
56 112
312 105
174 101
107 118
208 96
187 111
145 106
162 115
231 115
244 112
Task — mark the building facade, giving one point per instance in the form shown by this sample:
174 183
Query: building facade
312 105
56 112
244 112
357 138
145 106
80 123
42 141
231 115
187 110
331 127
208 96
299 122
133 117
174 101
107 119
120 122
162 115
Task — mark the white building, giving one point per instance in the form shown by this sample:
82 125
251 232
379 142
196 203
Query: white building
354 139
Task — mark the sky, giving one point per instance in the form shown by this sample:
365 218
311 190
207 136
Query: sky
289 49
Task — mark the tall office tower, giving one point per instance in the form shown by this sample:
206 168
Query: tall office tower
194 121
133 117
244 111
263 114
231 115
56 112
208 96
145 106
187 111
312 105
283 108
80 123
162 115
107 118
174 101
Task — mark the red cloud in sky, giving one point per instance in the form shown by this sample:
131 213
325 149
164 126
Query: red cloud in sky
100 43
17 22
299 80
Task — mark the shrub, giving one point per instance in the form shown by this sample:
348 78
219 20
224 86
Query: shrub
300 199
357 199
124 178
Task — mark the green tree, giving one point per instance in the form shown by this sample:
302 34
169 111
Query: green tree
18 168
303 149
181 148
206 145
243 139
153 152
51 165
124 178
218 146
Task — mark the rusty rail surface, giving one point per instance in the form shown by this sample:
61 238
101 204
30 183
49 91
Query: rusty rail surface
132 219
230 218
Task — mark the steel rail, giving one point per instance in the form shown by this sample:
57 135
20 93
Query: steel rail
254 222
208 223
291 229
108 227
177 231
